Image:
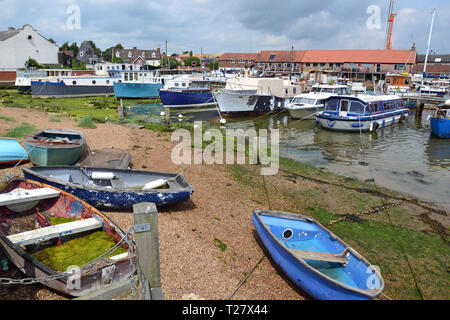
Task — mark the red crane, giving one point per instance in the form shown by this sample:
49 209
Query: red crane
390 26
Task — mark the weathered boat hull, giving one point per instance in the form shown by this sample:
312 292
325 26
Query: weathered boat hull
11 152
242 102
52 154
305 273
136 90
66 206
179 99
106 197
304 113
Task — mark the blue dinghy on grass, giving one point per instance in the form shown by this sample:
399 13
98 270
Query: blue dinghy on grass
114 188
11 152
315 259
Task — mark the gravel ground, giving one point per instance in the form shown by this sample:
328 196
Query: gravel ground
192 263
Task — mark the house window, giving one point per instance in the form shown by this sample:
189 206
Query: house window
315 64
322 64
287 65
307 64
368 66
233 61
261 64
153 55
399 67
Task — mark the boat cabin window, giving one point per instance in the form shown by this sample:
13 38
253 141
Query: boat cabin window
332 105
344 105
373 108
356 107
388 80
125 76
401 104
407 81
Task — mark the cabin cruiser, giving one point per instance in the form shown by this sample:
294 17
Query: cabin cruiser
362 113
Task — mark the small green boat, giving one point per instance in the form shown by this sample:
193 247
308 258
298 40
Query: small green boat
52 147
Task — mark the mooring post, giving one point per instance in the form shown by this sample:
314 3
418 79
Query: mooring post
167 114
147 250
120 110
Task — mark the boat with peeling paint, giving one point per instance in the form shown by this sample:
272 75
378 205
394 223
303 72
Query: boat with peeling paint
36 218
114 188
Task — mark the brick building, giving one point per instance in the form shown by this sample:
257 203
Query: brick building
237 61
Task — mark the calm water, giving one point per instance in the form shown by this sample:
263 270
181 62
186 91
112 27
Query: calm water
404 157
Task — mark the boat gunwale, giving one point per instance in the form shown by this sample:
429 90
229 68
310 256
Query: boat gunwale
372 293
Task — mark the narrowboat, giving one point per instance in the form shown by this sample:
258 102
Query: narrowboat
362 113
51 147
61 241
72 87
315 259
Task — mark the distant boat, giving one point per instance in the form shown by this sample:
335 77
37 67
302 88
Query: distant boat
440 121
56 147
11 152
114 188
185 93
137 84
26 204
315 259
106 158
362 113
307 104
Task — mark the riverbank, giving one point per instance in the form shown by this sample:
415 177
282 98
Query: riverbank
208 244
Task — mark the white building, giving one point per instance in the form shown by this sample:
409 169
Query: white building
18 45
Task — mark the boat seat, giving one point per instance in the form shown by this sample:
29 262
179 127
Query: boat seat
19 196
57 231
320 256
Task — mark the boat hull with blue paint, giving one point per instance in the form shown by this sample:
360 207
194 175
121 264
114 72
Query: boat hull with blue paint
51 147
136 90
286 235
186 99
11 152
362 113
118 188
440 122
73 87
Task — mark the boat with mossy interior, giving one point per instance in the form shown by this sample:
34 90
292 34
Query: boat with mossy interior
362 112
315 259
61 241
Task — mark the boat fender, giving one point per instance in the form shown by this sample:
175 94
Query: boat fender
102 175
447 103
429 117
374 126
155 184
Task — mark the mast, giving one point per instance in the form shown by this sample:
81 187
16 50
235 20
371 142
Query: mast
429 42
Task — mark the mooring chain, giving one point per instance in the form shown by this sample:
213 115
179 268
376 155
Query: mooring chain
375 210
87 266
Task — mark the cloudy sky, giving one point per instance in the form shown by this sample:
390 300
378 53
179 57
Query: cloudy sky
217 26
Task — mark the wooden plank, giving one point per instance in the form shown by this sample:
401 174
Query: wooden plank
320 256
27 195
52 232
112 291
147 250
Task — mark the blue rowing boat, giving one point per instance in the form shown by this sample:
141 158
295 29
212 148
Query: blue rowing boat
114 188
11 152
315 259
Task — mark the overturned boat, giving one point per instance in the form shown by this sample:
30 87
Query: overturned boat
315 259
11 152
114 188
61 241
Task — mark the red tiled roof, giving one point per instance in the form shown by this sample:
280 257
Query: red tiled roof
360 56
432 68
238 56
281 56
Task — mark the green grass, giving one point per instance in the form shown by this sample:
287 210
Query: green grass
8 119
87 122
24 130
223 247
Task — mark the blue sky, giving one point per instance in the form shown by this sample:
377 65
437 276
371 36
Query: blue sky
217 26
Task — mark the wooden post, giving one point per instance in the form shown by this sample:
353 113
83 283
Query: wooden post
120 110
147 250
167 114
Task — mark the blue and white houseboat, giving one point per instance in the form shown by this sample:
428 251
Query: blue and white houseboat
362 113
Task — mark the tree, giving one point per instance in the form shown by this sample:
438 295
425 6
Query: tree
64 47
110 53
214 65
52 40
173 63
31 63
188 61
